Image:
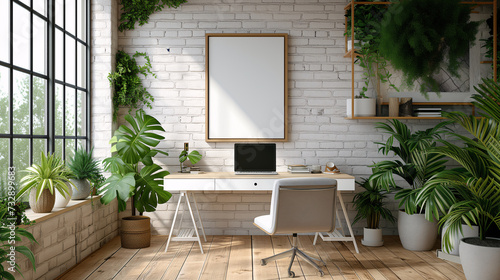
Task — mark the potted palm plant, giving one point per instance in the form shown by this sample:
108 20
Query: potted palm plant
417 163
370 205
135 176
85 169
477 183
42 182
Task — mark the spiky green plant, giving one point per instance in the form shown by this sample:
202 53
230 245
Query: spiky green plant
83 165
51 174
370 205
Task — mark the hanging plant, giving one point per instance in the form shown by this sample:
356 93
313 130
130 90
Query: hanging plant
140 10
128 88
419 37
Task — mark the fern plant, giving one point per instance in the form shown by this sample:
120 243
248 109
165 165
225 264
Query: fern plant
140 10
127 85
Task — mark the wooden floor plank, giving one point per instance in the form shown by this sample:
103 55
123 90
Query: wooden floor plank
193 266
240 258
395 263
441 265
355 265
310 272
93 261
217 259
376 267
282 244
113 265
161 261
333 269
334 256
262 248
134 268
179 260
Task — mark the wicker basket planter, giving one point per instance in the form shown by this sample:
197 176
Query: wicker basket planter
44 204
136 232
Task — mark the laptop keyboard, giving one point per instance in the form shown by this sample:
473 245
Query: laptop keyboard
255 173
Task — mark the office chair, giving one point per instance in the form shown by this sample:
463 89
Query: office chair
299 205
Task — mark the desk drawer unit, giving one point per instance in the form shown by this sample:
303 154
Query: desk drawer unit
189 185
244 184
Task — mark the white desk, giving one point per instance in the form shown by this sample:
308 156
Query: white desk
187 183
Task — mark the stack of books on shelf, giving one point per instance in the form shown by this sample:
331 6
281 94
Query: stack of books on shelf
298 168
428 112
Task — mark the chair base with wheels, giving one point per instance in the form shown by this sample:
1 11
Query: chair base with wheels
295 251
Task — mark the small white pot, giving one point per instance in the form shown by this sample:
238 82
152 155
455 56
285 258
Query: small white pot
480 262
363 107
62 201
82 190
415 232
372 237
455 238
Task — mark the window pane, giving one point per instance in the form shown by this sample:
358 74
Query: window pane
82 19
22 36
70 111
21 156
82 144
40 6
70 16
27 2
39 94
70 149
81 116
59 55
59 147
4 161
39 147
60 12
5 30
21 120
4 100
70 60
82 65
59 113
40 41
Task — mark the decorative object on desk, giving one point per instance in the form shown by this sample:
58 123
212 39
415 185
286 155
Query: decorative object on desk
416 163
370 205
84 168
298 168
406 107
133 147
315 168
394 107
331 168
363 107
438 38
194 157
43 180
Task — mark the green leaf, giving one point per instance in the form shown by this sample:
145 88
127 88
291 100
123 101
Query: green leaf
118 187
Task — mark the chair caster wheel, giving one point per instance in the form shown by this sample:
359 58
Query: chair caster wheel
263 262
321 273
291 274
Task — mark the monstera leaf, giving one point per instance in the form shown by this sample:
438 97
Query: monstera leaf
150 192
118 187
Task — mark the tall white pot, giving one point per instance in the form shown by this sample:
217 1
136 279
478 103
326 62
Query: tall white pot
415 232
455 238
363 107
480 262
62 201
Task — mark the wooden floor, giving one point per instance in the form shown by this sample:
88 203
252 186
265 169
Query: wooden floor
238 257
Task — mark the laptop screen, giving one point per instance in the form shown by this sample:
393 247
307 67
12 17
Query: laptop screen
255 157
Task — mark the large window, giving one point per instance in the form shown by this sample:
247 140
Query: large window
44 80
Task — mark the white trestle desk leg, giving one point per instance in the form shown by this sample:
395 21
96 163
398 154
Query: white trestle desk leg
348 222
173 221
199 217
194 224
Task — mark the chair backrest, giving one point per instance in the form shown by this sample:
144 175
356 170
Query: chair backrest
300 205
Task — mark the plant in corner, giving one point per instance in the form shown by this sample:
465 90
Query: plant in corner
140 10
369 204
85 171
416 163
476 183
43 180
127 85
419 37
134 175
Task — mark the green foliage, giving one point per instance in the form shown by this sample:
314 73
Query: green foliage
370 204
50 174
475 185
133 148
18 212
127 85
140 10
419 37
84 166
417 162
6 242
488 44
193 157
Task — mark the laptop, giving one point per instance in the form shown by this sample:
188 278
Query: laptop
255 159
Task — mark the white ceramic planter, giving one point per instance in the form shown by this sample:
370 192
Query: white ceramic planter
82 190
62 201
455 239
480 262
363 107
372 237
415 232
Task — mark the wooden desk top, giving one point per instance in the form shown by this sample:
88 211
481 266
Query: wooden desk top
231 175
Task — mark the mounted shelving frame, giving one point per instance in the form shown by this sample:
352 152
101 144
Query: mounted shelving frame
352 54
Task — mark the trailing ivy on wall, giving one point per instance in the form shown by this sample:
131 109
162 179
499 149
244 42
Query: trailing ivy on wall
140 10
127 85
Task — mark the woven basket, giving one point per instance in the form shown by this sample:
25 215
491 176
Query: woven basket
136 232
44 204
